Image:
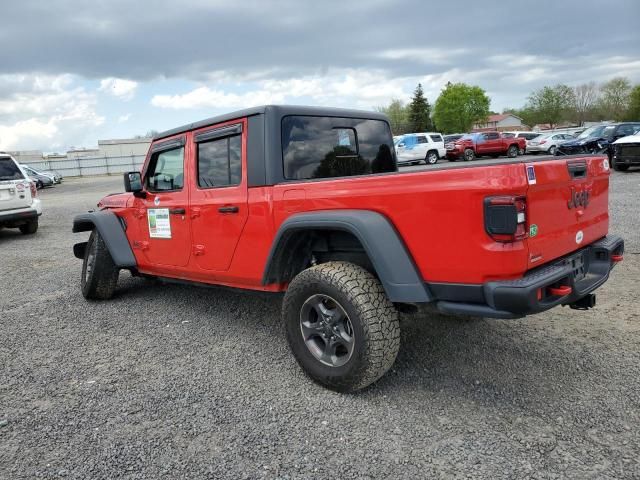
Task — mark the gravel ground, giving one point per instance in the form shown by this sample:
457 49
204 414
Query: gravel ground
174 382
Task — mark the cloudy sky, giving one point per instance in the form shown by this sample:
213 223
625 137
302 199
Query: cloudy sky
75 71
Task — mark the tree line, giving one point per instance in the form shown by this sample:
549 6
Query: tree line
459 106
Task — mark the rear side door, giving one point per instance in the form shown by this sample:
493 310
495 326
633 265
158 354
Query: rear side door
422 146
14 190
219 205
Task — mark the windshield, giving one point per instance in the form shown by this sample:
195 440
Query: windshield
596 131
9 170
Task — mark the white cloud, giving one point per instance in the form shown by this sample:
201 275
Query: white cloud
124 118
44 112
119 87
362 89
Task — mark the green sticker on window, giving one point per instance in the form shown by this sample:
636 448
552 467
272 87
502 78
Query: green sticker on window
533 230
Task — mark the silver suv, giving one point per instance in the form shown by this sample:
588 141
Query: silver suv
19 205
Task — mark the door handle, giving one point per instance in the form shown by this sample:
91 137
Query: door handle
229 209
177 211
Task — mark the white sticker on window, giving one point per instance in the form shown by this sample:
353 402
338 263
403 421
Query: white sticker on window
159 223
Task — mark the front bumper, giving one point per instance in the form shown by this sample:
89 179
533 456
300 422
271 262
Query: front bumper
577 274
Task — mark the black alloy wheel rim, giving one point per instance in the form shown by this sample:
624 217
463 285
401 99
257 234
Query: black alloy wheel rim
327 330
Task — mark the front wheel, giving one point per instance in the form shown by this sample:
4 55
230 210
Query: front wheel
512 151
431 158
552 150
99 273
341 327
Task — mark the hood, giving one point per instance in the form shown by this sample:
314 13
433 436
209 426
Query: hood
628 139
580 141
115 200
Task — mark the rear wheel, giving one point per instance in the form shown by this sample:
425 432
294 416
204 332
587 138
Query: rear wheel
431 158
99 273
30 227
512 151
469 155
341 327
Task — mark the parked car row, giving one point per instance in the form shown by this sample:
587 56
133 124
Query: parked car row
41 178
429 147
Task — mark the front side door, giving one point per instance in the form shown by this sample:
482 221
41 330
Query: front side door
164 237
219 208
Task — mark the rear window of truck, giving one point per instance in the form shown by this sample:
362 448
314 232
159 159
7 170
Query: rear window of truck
9 170
325 147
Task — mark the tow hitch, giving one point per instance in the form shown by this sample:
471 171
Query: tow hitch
584 303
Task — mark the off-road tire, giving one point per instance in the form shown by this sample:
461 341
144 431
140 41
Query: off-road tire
30 227
376 329
512 151
468 155
100 282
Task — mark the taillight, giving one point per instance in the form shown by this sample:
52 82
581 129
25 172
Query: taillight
542 142
34 190
505 218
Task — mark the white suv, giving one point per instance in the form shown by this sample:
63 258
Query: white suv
419 147
19 206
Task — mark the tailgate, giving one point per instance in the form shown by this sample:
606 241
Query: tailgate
567 203
14 195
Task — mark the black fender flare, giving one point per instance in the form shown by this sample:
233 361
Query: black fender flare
382 243
112 232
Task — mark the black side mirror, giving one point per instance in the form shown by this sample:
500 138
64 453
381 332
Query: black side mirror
133 182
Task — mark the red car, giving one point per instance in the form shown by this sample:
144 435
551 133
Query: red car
308 202
474 145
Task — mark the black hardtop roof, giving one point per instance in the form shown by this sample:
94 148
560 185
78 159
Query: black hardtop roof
280 110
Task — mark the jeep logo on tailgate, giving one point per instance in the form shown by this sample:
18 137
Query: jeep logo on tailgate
579 198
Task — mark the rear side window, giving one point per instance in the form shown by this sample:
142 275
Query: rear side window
220 162
325 147
9 170
422 139
436 138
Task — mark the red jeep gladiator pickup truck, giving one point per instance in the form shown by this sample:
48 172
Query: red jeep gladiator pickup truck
473 145
308 202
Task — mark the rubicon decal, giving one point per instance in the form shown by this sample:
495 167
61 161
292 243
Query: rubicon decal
579 198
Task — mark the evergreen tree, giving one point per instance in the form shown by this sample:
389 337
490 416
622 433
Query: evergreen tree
420 112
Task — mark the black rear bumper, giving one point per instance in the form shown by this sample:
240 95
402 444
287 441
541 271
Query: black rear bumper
18 218
538 290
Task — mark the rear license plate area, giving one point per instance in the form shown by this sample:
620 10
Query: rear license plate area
578 264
